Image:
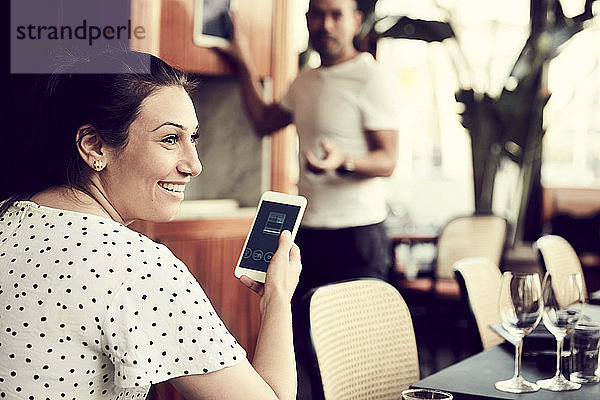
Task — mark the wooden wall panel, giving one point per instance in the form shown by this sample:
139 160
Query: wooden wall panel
146 13
176 37
285 69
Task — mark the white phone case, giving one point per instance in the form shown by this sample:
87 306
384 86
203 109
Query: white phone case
200 37
274 197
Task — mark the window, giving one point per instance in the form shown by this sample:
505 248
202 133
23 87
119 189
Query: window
571 146
434 179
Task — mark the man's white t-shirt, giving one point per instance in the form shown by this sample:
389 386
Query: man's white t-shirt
342 103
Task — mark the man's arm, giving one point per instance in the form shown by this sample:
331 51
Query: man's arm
379 161
266 118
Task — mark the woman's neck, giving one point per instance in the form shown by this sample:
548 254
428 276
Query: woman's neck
93 202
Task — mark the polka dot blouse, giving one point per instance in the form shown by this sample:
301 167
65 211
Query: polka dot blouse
91 309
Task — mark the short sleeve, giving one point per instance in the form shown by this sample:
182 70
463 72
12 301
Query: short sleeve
161 325
379 101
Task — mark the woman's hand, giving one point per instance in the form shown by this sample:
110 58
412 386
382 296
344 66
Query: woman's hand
274 374
283 271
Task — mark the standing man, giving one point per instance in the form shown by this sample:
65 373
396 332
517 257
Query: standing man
346 116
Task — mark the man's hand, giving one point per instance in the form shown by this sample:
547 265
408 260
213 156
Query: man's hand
238 50
333 159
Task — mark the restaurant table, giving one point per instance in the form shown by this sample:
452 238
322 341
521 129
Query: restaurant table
474 377
410 238
413 237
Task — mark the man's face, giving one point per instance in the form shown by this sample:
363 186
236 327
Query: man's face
332 25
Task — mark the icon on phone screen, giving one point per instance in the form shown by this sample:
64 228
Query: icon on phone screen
274 223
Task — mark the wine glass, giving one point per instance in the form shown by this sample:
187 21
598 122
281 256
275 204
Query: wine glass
563 305
521 307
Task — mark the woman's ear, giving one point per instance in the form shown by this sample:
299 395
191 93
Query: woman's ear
89 145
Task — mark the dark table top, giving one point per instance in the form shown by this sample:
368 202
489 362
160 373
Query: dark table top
474 377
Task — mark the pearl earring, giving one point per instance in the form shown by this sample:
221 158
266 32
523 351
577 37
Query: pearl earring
98 165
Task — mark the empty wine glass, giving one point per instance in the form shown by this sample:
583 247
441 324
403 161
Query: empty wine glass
563 305
521 307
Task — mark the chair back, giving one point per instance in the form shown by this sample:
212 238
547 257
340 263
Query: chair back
469 236
363 339
481 280
559 258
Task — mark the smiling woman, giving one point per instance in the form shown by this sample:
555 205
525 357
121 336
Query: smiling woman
146 179
92 309
90 124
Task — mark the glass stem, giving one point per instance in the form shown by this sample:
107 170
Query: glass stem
518 352
559 349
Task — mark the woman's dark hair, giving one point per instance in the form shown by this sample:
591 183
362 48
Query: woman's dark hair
104 92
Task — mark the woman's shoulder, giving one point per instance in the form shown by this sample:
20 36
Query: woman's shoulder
86 231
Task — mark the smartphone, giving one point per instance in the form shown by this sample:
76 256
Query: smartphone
276 212
212 25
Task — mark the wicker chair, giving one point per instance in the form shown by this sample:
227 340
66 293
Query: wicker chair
363 340
466 236
480 280
558 257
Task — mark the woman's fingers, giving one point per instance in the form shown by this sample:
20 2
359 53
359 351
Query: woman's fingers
283 250
295 256
284 269
285 241
253 285
286 252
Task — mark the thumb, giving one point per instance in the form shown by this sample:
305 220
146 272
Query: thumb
285 245
285 241
327 145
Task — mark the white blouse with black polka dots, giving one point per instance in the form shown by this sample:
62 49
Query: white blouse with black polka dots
91 309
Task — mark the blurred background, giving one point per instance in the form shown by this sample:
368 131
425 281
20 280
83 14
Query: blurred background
500 113
501 104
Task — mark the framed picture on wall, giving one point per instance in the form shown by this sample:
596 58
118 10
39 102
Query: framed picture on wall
212 25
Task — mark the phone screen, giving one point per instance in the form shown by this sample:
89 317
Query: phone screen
272 219
215 18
